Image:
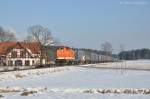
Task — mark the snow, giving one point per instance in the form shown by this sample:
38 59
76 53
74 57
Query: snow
33 72
70 81
78 77
60 95
135 64
43 93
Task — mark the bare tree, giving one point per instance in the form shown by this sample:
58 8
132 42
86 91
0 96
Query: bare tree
42 36
107 49
6 35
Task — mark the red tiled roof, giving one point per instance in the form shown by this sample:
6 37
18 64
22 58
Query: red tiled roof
32 46
4 47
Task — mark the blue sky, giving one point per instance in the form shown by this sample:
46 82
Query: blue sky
82 23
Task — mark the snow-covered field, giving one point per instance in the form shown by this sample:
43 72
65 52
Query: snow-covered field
33 72
135 65
68 82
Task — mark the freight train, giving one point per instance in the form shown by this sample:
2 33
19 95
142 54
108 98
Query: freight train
64 55
86 56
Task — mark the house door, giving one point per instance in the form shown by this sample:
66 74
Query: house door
18 63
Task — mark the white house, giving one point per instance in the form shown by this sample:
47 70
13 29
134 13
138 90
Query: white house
19 53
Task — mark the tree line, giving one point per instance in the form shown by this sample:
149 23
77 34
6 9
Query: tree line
143 53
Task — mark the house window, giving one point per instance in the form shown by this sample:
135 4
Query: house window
27 63
18 63
32 62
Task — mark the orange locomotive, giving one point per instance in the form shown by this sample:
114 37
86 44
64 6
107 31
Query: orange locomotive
65 56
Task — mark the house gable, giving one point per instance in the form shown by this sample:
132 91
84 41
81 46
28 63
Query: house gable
18 51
